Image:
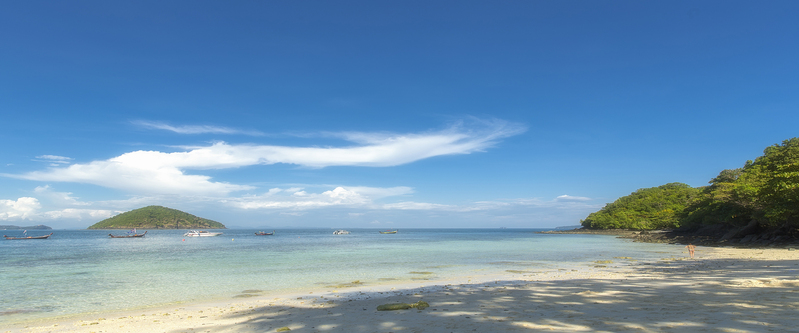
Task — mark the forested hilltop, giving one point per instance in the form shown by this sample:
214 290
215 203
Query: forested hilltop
759 200
156 217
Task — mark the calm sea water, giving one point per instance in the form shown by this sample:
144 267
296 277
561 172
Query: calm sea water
82 271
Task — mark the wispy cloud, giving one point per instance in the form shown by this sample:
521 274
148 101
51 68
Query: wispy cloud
194 129
154 172
54 160
560 202
299 199
567 197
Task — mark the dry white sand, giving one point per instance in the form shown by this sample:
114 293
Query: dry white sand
722 290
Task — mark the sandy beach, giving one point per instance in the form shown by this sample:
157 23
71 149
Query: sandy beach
721 290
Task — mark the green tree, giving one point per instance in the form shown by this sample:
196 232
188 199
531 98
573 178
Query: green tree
645 209
765 191
777 174
722 202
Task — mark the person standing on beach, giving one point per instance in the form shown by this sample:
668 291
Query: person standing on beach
691 249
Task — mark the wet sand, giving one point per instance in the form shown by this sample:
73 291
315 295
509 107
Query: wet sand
721 290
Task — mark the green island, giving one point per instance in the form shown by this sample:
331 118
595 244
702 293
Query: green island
156 217
757 203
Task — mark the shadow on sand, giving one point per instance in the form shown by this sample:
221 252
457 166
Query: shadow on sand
667 296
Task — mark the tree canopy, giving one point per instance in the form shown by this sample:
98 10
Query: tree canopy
765 190
649 208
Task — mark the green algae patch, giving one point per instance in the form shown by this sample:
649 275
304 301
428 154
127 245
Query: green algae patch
604 261
421 273
249 293
420 305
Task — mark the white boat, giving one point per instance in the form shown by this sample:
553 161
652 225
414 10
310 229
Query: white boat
341 232
201 233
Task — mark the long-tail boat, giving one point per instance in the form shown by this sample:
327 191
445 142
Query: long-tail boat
389 232
261 233
128 236
30 237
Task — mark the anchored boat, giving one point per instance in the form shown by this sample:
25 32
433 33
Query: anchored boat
201 233
30 237
130 235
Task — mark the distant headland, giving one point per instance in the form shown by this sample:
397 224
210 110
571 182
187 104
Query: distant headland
35 227
156 217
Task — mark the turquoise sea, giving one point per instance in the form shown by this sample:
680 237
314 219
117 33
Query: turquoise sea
85 271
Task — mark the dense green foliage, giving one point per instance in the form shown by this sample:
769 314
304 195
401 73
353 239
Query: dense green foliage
765 191
156 217
649 208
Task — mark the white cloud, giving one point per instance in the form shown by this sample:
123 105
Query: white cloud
155 172
57 203
194 129
409 205
293 213
79 214
58 198
21 209
302 200
561 202
567 197
381 192
140 172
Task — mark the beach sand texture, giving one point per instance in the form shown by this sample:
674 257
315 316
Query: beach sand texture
722 290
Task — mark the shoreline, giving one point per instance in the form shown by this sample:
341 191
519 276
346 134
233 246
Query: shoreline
724 289
681 237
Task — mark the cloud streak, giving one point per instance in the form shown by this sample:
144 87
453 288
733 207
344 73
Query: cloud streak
194 129
299 199
54 160
155 172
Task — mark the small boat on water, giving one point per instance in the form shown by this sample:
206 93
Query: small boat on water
389 232
129 235
341 232
201 233
261 233
30 237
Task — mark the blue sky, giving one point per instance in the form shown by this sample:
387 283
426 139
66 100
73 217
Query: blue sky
381 114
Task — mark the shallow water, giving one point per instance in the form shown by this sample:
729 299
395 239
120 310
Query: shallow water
82 271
